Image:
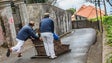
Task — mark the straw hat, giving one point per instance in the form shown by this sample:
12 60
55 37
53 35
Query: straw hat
46 14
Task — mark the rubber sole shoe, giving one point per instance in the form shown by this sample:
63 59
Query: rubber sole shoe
53 57
8 52
19 55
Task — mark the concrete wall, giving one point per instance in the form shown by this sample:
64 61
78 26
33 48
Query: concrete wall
1 36
95 51
34 12
85 24
6 16
61 18
7 0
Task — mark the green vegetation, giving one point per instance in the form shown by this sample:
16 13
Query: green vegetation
72 10
109 60
94 19
107 22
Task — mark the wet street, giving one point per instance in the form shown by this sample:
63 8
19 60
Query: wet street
80 41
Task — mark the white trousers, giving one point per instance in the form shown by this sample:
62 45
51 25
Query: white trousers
17 47
47 38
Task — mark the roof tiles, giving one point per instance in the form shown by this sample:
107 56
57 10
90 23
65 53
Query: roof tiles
88 12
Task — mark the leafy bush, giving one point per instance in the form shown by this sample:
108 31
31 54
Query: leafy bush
107 21
109 60
94 19
72 10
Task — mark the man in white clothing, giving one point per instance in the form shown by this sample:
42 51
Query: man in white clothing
47 30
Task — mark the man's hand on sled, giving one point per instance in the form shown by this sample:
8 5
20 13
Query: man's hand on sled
40 39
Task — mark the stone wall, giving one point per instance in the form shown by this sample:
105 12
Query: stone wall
7 18
4 0
33 12
95 51
1 36
85 24
61 18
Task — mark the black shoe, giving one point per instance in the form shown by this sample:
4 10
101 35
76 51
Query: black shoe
8 52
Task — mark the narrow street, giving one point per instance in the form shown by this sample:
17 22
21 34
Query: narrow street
80 41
